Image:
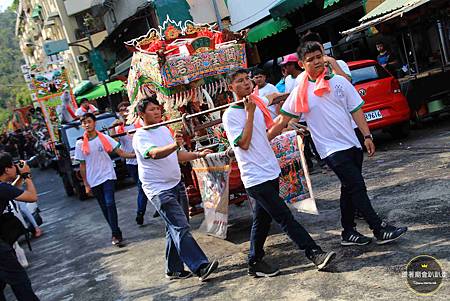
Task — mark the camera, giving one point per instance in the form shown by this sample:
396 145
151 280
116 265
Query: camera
19 164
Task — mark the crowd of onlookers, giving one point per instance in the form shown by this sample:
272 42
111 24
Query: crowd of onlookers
20 144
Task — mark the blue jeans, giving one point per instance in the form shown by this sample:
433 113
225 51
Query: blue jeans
268 206
104 193
347 165
141 198
12 273
181 247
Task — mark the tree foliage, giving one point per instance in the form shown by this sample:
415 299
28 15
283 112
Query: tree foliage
13 89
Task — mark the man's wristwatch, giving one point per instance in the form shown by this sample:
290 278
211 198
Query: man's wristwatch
25 175
370 136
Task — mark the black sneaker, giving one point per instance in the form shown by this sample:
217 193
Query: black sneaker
140 219
358 215
388 233
262 269
354 238
178 275
117 241
204 272
320 258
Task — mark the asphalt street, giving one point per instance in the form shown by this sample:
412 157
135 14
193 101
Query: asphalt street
408 181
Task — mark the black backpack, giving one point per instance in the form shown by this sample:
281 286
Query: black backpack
11 228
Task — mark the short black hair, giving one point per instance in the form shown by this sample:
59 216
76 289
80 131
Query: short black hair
308 47
259 71
5 162
143 103
234 73
295 64
88 115
84 100
123 103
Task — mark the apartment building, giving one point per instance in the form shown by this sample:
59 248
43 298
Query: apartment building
51 20
107 23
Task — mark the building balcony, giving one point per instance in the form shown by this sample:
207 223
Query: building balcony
77 6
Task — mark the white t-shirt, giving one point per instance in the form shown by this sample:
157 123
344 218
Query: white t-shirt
267 90
99 166
341 64
126 143
258 164
329 117
79 112
290 83
344 67
156 175
346 70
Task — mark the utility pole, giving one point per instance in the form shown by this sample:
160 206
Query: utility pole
217 12
96 57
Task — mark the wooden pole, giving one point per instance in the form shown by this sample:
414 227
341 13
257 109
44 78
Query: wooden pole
180 119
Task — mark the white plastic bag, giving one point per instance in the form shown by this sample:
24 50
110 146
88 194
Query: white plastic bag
20 253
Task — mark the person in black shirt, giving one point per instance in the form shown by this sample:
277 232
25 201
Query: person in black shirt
11 272
20 143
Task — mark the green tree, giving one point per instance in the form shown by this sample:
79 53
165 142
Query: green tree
13 89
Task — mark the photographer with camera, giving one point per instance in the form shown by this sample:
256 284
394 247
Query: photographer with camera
11 272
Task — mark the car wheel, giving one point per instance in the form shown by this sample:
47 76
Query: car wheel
401 130
67 185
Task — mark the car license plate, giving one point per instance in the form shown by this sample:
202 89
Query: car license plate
373 115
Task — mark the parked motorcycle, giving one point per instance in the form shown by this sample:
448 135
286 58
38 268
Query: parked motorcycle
44 153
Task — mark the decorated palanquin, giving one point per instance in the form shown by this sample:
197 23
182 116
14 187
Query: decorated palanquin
184 64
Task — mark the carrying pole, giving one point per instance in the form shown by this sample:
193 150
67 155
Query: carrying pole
180 119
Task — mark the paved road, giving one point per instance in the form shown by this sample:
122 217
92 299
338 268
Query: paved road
408 181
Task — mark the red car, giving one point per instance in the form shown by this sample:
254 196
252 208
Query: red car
385 106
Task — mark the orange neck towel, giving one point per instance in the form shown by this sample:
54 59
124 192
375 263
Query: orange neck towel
121 128
321 86
256 90
262 106
69 109
91 109
105 143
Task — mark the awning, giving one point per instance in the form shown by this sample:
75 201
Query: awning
390 9
267 29
285 7
336 13
386 7
177 10
328 3
36 12
99 90
82 87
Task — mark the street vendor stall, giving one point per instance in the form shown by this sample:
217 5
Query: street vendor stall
422 31
185 65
